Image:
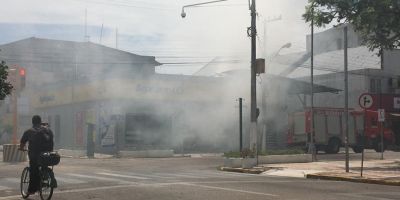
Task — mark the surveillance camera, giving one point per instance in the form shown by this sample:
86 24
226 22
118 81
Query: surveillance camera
183 14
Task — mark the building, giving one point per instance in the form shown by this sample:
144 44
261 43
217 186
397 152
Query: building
367 72
82 88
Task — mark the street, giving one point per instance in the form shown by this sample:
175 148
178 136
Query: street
181 178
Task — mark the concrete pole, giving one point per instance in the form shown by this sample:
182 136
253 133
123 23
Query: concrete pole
240 124
253 114
264 139
14 101
380 104
15 116
312 148
382 123
346 99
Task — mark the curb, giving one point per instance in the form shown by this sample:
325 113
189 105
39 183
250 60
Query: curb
242 170
351 179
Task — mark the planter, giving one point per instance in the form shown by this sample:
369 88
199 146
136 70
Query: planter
11 153
248 163
233 162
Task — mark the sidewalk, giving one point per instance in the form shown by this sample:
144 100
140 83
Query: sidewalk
375 171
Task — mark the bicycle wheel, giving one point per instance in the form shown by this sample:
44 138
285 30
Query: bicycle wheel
25 183
46 188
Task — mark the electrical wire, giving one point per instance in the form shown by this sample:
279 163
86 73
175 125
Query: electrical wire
128 5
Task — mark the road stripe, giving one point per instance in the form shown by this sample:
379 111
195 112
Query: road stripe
5 188
123 176
177 175
150 176
212 174
230 189
226 174
12 180
9 183
63 179
101 178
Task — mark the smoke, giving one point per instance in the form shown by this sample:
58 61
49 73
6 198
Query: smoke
196 113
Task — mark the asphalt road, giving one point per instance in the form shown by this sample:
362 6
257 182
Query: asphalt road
182 178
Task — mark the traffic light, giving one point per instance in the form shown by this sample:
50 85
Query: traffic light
22 77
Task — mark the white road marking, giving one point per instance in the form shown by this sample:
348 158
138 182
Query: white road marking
69 180
9 183
4 188
214 174
101 178
230 189
150 176
225 174
178 175
12 180
123 176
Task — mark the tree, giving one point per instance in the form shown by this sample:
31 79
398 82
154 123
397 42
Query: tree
377 21
5 86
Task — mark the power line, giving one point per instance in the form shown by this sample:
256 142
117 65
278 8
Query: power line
128 5
150 7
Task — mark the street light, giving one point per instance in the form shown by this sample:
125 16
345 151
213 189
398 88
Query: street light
285 46
183 14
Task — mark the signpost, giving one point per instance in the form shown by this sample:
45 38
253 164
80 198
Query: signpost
365 101
381 119
381 115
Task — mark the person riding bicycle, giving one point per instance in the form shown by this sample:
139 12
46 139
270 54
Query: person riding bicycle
40 139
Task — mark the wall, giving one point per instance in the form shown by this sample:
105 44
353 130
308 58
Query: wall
332 39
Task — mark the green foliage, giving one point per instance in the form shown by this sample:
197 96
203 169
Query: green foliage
5 86
377 21
232 154
282 152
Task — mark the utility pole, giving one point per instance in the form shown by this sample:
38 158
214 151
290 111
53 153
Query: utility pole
252 32
240 124
253 111
311 147
380 105
14 99
382 123
346 99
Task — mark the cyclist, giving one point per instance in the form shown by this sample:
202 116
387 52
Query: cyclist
40 139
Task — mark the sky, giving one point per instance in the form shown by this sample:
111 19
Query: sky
155 27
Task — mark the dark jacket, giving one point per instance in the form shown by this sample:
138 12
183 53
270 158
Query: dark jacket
40 139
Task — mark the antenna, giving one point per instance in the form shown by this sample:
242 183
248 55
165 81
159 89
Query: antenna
86 37
116 38
101 33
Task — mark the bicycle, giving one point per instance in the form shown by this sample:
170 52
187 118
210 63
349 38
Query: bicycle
47 179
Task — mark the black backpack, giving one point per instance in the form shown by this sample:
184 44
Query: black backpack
41 140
